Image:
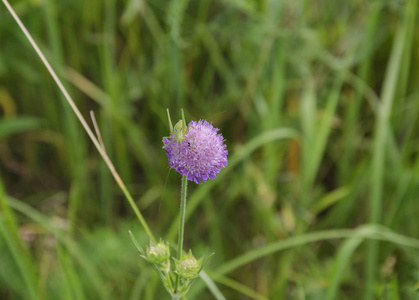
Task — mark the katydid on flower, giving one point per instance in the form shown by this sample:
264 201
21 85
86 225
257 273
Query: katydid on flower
178 132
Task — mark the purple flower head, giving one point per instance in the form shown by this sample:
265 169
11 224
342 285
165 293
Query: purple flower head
202 161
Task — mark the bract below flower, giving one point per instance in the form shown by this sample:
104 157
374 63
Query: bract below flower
201 158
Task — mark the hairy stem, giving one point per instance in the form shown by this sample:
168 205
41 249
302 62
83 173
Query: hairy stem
184 189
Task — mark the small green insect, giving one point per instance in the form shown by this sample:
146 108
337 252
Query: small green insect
178 132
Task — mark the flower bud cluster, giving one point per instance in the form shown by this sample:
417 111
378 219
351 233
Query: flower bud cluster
185 270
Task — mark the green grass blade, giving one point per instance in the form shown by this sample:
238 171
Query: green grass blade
363 232
379 146
29 281
10 126
342 259
241 288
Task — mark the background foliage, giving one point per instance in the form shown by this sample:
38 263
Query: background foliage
318 101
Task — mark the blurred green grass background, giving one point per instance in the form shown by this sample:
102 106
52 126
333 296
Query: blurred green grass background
318 102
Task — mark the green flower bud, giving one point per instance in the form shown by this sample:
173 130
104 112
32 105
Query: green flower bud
188 267
159 255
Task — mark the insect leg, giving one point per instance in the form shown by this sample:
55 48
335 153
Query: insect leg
171 142
178 149
190 137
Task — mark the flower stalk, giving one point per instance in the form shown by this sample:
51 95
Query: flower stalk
198 153
182 212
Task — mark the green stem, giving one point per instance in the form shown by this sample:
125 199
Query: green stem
182 212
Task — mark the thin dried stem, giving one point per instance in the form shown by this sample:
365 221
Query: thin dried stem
98 135
98 145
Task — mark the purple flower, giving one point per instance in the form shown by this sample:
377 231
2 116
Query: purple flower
207 157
